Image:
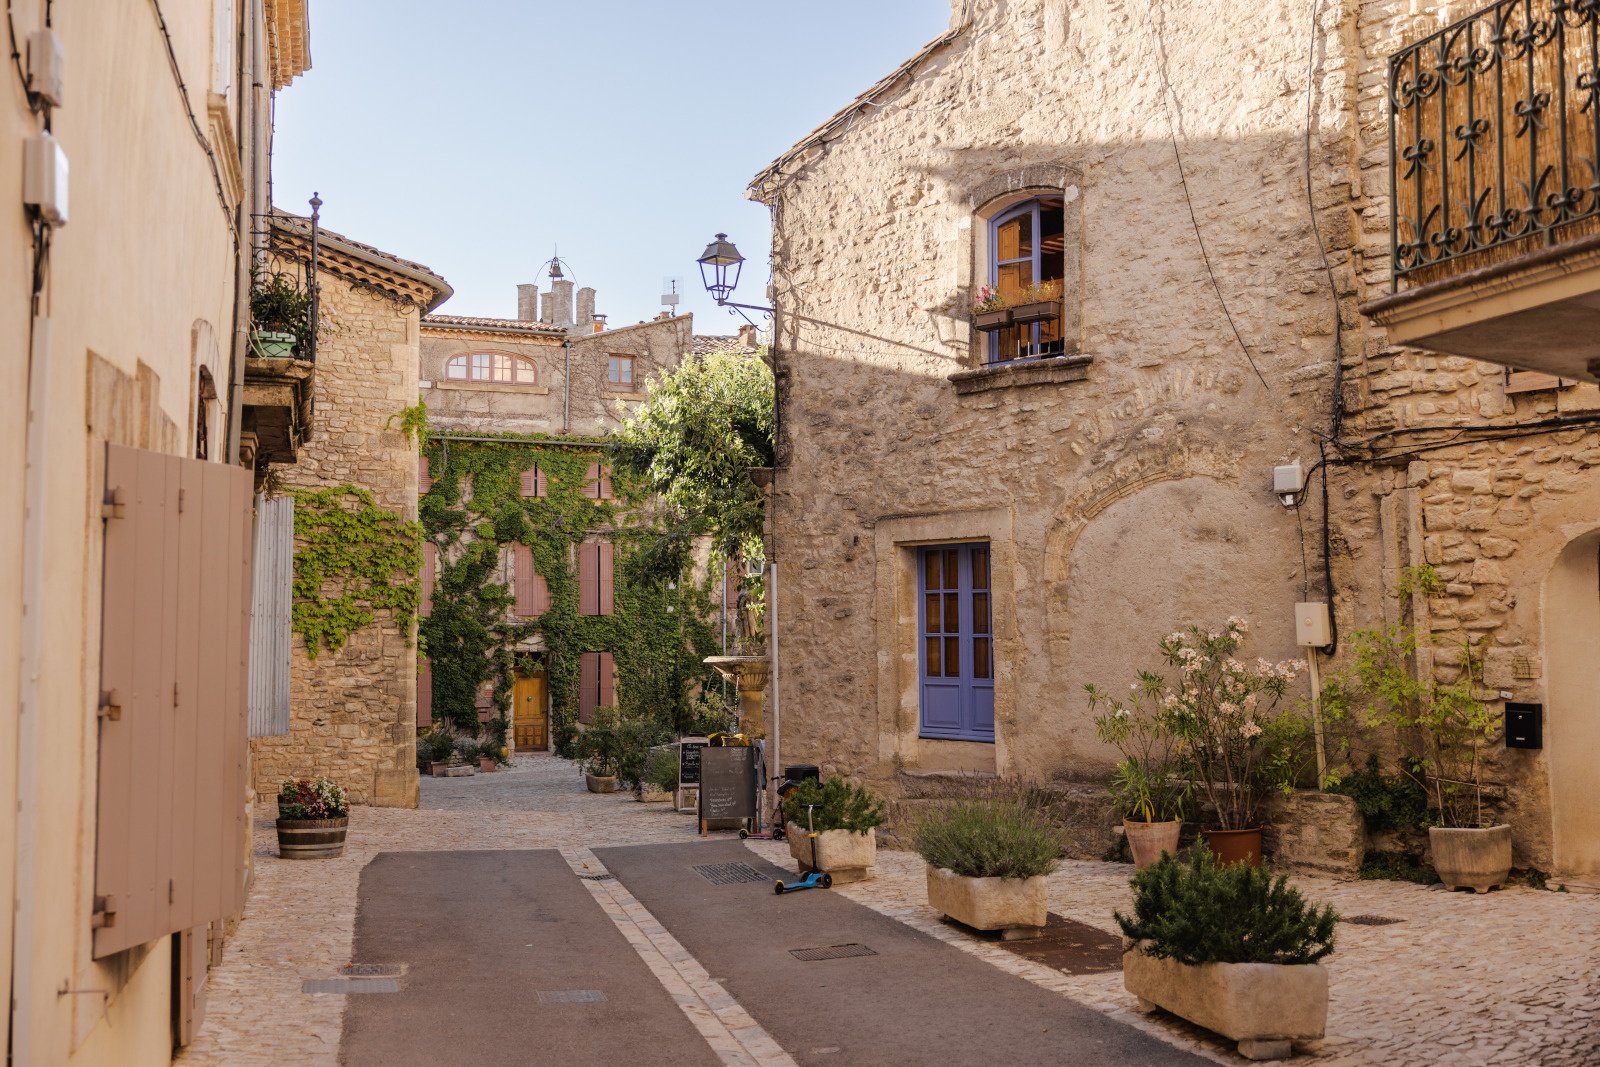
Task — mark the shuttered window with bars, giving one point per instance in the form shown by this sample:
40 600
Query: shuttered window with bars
174 649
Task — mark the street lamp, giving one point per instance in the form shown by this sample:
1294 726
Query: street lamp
720 266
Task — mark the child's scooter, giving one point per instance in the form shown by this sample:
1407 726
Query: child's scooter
815 879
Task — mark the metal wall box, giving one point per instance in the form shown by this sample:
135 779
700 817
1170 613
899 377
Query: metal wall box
1524 725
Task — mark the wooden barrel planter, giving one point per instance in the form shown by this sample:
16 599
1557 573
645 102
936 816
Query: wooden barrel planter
311 839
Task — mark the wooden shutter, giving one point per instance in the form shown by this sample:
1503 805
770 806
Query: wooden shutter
271 616
522 579
608 680
588 579
424 693
174 649
591 482
604 553
533 482
430 565
424 479
588 686
541 595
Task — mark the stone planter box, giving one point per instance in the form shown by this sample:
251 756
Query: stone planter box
1479 858
457 770
1265 1007
1017 907
654 796
601 783
847 855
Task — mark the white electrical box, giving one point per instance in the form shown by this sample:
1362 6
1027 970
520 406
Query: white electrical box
46 67
1311 629
44 178
1288 481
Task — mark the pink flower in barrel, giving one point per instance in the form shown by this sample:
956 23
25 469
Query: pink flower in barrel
313 817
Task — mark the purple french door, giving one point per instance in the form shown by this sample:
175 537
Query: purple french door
956 650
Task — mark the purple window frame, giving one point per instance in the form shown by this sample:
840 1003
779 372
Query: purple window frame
955 706
1036 259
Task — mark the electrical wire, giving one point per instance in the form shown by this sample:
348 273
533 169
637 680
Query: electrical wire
1175 127
194 123
32 97
1337 416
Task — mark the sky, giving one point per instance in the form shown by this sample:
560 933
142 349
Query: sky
479 137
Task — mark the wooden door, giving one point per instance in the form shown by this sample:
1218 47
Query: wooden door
530 722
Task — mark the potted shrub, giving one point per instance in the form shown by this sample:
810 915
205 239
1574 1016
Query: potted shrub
990 311
490 756
599 750
1039 303
1146 788
1229 948
844 817
280 316
660 778
637 736
987 860
313 818
1448 730
1236 743
437 746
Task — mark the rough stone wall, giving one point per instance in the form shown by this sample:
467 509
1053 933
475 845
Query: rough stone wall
1119 505
587 401
353 713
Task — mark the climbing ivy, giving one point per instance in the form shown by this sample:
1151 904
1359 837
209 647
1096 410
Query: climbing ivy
657 634
352 559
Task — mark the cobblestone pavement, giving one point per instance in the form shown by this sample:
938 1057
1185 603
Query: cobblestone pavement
1507 978
1512 977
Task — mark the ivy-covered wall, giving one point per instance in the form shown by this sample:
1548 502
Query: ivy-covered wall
658 632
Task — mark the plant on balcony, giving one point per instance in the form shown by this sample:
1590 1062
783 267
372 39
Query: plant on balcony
280 315
1040 302
1147 787
991 310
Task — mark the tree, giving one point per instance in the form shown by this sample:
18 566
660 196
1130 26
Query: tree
692 444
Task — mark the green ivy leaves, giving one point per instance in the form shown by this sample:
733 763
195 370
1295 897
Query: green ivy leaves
352 559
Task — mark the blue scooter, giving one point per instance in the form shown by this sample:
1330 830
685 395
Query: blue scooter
815 879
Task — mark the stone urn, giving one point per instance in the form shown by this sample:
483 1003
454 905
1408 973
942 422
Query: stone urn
1265 1007
1017 907
749 675
1148 840
848 855
1471 856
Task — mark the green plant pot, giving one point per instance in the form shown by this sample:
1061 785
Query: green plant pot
271 344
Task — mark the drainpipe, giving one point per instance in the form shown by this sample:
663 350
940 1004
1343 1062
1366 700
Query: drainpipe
566 385
776 770
245 75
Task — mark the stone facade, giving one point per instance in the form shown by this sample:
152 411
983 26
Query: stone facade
353 712
1124 487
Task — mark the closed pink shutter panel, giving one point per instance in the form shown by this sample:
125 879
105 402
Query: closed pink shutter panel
591 482
533 482
430 561
588 579
424 479
541 595
522 580
425 694
588 686
607 602
608 680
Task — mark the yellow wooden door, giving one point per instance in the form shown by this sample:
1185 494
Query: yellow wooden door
530 722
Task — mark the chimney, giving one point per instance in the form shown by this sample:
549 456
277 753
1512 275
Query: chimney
585 308
747 338
599 323
528 303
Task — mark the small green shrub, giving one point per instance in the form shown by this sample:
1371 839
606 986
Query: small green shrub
436 745
599 746
1396 867
713 713
490 749
990 838
841 805
661 770
1397 803
637 735
1201 912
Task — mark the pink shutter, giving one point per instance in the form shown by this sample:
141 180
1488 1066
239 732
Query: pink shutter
522 579
588 579
424 694
591 482
424 479
607 669
606 603
541 595
588 686
533 482
604 481
430 562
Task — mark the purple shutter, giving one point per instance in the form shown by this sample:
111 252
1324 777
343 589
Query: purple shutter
956 643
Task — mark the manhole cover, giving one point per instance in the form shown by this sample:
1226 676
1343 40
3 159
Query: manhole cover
598 877
571 996
1071 947
372 970
1370 920
350 985
729 873
832 952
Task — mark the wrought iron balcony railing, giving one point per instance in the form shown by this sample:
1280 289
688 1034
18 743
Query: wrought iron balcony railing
1494 137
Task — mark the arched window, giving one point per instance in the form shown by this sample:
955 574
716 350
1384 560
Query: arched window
491 367
206 414
1027 267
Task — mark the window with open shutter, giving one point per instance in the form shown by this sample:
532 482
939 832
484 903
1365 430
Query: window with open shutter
174 650
597 482
533 483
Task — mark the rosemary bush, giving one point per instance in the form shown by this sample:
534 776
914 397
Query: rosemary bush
1202 912
989 838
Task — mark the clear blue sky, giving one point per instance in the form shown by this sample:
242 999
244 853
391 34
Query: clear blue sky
477 136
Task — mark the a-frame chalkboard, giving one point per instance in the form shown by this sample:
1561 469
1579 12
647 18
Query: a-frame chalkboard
727 784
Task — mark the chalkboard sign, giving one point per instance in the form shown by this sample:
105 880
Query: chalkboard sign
689 762
727 784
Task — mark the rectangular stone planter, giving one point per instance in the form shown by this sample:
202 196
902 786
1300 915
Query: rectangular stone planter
445 770
654 796
1265 1007
1017 907
847 855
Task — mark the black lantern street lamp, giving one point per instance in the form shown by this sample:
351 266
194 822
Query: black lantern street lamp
720 266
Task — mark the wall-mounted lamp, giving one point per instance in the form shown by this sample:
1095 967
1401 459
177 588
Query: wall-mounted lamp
720 267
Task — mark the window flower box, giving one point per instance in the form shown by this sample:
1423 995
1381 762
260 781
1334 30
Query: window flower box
1039 311
998 319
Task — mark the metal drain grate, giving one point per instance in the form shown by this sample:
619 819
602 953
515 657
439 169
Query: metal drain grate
832 952
729 873
598 877
372 970
571 996
1370 920
350 985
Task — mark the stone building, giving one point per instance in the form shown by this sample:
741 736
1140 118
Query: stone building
1186 318
351 712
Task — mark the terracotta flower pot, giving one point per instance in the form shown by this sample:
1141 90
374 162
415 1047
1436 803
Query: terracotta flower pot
1234 846
487 765
1471 856
1148 840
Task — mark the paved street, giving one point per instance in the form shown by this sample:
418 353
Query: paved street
526 925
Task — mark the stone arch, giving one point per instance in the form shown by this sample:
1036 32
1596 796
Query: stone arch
1571 617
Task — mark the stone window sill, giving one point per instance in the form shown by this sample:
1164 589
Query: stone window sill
489 387
1069 368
